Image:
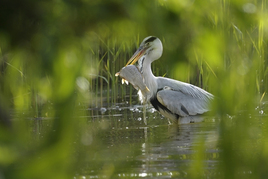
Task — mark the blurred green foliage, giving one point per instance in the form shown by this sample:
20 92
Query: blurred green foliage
56 54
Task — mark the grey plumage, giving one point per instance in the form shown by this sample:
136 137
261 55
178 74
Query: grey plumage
182 98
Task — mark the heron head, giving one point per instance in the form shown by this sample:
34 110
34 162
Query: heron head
151 47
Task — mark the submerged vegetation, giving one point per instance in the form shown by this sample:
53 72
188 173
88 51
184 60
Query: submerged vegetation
58 59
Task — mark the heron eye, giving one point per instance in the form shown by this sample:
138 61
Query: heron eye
147 44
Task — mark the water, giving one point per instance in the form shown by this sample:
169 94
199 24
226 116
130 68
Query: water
132 149
115 142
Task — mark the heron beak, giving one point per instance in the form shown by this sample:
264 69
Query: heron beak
137 55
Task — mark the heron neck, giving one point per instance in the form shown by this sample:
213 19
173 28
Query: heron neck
150 79
147 72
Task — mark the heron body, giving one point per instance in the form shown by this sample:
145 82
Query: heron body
172 98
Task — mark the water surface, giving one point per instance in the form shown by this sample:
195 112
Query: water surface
116 142
130 148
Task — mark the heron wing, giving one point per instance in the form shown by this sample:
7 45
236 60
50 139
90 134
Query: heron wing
182 104
182 98
186 88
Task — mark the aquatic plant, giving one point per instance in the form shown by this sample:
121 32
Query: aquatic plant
58 59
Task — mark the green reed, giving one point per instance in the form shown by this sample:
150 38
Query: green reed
220 46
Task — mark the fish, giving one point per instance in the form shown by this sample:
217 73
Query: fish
131 74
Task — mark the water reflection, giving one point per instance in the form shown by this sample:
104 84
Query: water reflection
118 144
191 119
172 155
131 149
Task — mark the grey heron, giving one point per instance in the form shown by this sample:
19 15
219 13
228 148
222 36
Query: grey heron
172 98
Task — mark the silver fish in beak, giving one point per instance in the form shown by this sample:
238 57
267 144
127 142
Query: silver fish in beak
131 74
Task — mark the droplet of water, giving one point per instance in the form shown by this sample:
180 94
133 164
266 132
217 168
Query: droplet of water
152 110
139 119
137 110
142 174
261 112
103 110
